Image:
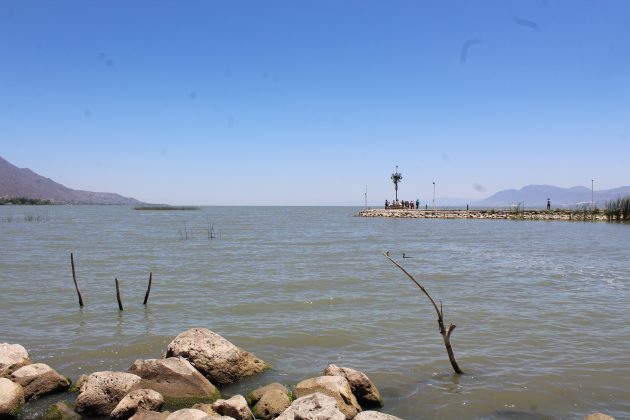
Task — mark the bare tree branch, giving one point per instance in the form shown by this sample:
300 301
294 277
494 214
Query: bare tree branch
446 334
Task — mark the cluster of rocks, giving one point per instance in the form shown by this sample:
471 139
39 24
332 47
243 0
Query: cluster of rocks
185 377
483 214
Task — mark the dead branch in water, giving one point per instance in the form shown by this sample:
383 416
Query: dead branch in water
120 306
146 296
446 333
74 277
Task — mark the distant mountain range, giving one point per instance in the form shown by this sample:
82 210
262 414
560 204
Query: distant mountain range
537 195
22 182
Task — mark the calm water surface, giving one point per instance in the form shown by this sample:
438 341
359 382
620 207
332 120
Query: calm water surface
541 308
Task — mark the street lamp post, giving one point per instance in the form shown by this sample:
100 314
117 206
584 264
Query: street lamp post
434 196
592 195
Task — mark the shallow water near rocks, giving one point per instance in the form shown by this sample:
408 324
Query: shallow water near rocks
541 308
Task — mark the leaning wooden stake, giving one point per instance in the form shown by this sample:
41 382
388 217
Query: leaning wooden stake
446 333
76 284
120 307
146 297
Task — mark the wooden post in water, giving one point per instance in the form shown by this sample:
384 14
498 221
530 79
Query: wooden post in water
146 297
74 277
120 307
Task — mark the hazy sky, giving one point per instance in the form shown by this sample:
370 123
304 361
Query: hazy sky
307 102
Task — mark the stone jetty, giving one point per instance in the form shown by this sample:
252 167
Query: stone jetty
565 215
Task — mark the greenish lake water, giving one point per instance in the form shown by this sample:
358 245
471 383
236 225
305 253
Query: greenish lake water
541 308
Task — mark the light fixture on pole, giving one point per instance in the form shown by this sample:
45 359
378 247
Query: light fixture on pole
433 195
592 195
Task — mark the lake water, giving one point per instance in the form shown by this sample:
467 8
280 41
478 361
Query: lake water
541 308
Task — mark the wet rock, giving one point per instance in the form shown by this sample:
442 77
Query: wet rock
270 400
215 357
375 415
39 379
188 414
146 399
101 392
174 378
11 398
333 386
313 407
235 407
12 357
61 411
363 388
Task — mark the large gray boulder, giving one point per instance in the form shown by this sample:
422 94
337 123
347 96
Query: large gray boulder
269 401
39 379
12 357
215 357
333 386
235 407
375 415
175 378
145 399
11 398
313 407
188 414
101 392
362 387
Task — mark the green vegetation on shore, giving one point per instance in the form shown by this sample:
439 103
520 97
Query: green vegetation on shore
618 210
24 201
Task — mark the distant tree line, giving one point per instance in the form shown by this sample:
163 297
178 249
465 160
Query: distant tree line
24 201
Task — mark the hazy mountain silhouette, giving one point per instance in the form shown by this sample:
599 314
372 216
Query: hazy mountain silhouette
22 182
536 196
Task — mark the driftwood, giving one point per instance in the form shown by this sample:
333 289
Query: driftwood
74 277
146 297
120 307
446 333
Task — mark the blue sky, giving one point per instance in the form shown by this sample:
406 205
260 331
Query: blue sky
307 102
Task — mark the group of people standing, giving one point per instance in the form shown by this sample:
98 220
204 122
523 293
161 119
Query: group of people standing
403 204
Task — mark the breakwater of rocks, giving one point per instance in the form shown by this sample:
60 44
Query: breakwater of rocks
567 215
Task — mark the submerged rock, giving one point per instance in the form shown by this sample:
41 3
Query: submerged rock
101 392
315 406
270 400
146 399
215 357
39 379
12 357
174 378
11 398
336 387
362 387
375 415
598 416
61 411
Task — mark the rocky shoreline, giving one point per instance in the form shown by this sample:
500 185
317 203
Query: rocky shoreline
186 380
183 381
564 215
